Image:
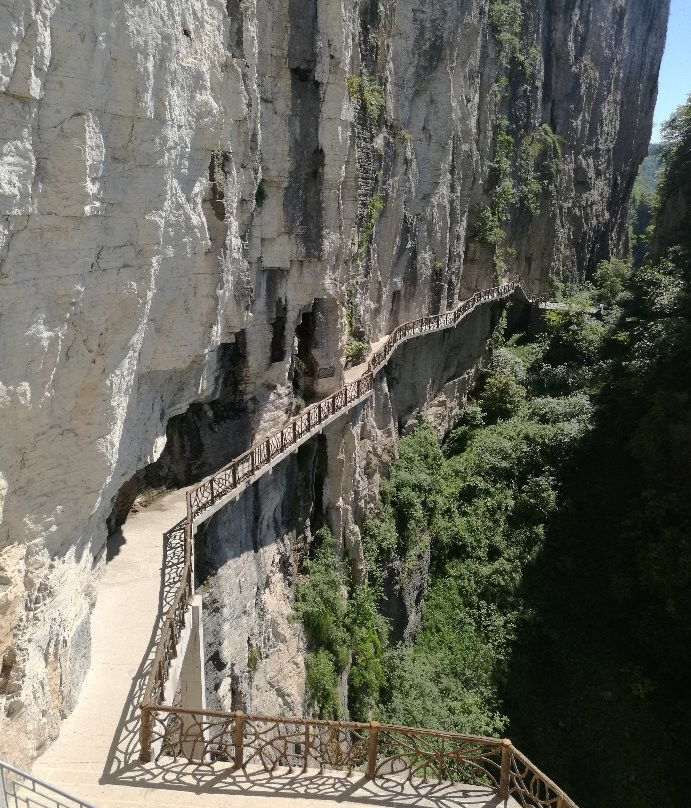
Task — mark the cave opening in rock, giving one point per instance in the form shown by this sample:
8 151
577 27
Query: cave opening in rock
305 365
278 332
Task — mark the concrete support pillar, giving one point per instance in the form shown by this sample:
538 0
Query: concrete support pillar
186 684
193 684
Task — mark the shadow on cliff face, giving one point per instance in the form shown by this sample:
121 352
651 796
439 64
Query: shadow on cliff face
200 440
302 202
256 539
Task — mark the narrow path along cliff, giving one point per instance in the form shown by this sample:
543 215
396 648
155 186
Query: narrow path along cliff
97 752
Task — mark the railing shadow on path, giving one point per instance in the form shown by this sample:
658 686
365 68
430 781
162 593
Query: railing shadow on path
313 784
124 752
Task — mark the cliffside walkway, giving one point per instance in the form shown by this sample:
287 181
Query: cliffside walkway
154 753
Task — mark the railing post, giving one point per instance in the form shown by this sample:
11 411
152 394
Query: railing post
145 734
268 450
295 431
372 750
238 738
505 769
305 759
4 786
234 474
211 488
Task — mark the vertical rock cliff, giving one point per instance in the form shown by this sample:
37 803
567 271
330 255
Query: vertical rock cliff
205 204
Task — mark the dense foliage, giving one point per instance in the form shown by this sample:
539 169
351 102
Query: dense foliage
345 632
552 529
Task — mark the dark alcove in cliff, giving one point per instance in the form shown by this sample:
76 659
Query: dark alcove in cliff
199 441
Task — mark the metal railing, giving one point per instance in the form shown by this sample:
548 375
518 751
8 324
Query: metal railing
215 488
21 790
375 749
259 458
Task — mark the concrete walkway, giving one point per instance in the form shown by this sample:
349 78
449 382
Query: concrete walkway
96 754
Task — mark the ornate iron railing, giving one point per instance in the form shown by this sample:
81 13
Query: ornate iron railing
21 790
375 750
271 741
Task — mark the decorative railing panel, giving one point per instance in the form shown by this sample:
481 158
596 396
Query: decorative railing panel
439 756
378 751
530 787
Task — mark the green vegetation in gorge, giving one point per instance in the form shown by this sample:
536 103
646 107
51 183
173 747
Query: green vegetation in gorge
558 605
481 502
555 520
344 629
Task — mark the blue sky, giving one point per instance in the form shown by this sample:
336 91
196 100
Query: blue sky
675 75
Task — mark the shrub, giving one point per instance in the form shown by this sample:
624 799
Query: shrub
610 280
320 599
368 92
548 410
502 397
506 19
322 684
368 633
488 227
574 338
356 351
370 219
298 405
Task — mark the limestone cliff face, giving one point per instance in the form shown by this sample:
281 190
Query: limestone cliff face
249 554
202 201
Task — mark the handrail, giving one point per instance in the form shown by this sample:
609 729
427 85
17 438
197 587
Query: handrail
516 774
376 750
19 786
258 458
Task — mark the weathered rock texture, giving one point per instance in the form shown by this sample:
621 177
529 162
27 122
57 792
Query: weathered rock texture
189 228
249 553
